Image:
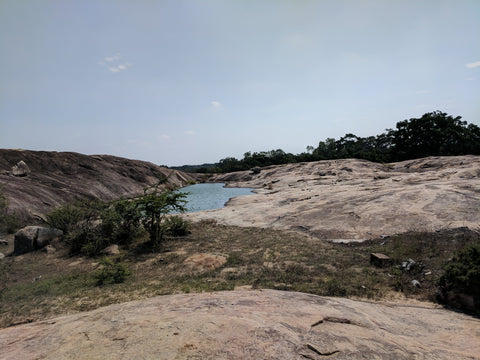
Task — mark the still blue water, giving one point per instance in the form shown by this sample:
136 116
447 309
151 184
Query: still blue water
210 196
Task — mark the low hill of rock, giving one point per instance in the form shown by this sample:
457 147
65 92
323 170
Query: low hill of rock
352 199
35 182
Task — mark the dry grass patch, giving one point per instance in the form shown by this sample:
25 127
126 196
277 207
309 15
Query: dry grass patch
36 285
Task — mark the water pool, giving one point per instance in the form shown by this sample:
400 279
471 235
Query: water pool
210 196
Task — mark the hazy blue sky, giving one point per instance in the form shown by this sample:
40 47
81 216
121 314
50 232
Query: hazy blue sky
187 82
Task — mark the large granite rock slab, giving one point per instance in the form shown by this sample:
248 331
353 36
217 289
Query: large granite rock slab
356 199
58 177
233 325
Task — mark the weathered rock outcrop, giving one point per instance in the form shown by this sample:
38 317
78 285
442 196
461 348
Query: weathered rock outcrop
57 177
233 325
21 169
32 238
357 199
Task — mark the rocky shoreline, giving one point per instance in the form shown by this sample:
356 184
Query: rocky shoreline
354 200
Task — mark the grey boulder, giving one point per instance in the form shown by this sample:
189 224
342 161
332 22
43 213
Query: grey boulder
31 238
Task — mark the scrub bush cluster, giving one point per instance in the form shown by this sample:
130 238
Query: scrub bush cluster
92 225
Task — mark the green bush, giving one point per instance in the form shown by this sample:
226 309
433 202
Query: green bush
111 273
176 226
71 216
82 225
334 288
121 221
462 277
90 226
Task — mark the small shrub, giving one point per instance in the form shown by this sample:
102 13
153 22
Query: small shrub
462 277
111 273
176 226
235 259
120 221
334 288
70 216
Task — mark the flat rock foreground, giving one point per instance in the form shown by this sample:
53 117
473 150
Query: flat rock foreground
356 199
247 324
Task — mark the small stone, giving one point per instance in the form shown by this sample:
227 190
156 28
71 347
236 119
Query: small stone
111 250
49 249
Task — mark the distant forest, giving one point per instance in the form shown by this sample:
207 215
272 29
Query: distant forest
434 134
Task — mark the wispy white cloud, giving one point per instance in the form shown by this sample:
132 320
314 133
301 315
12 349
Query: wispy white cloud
190 132
115 57
422 92
470 79
118 68
215 104
164 137
114 63
473 64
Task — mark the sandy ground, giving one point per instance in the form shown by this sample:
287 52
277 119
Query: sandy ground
356 199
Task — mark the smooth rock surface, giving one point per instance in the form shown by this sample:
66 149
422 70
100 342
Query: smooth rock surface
356 199
264 324
58 177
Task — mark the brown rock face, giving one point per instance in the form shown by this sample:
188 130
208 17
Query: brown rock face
357 199
264 324
57 177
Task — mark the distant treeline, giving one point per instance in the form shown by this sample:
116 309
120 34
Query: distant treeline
434 134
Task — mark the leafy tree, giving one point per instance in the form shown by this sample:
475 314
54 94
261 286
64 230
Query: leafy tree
326 150
434 134
230 164
155 205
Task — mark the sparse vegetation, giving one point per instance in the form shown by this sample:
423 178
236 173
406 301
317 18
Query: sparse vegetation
92 225
462 277
257 258
111 272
